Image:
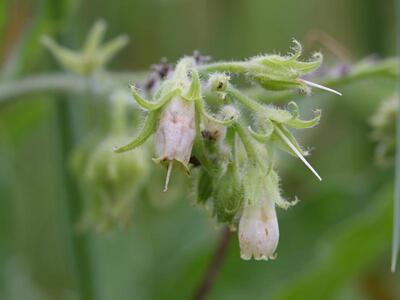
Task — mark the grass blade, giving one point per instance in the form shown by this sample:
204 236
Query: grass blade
396 209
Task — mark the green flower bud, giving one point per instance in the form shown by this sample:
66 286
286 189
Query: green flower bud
218 82
111 182
228 195
277 72
204 186
229 113
384 131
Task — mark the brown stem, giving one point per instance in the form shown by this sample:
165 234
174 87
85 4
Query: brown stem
211 273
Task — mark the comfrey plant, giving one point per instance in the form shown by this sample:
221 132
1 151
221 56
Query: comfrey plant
203 123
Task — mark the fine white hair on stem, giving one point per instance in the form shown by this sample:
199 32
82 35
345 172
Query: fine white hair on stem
170 165
316 85
299 155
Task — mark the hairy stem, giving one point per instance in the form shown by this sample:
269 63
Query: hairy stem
211 273
63 83
232 67
70 83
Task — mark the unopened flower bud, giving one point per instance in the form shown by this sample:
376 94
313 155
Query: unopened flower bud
204 186
228 195
215 132
218 82
110 181
229 112
384 131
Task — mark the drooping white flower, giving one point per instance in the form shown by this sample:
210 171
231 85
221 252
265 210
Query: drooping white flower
259 231
175 133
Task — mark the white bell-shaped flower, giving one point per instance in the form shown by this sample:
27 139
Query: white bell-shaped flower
259 231
175 133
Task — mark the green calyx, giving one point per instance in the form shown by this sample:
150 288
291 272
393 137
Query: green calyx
93 56
276 72
228 195
112 183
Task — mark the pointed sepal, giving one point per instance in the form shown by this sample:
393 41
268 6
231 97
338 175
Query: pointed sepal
148 128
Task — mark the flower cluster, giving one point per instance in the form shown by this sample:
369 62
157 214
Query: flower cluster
224 138
203 123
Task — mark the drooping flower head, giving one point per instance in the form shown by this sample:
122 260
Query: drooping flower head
228 137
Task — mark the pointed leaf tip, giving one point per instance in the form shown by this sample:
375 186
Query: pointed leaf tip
297 152
312 84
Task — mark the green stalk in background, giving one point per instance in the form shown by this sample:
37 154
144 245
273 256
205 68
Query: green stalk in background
73 203
396 216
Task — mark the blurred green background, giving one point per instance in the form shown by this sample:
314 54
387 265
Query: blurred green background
335 244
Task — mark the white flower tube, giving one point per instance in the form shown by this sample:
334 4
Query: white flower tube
175 133
259 231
